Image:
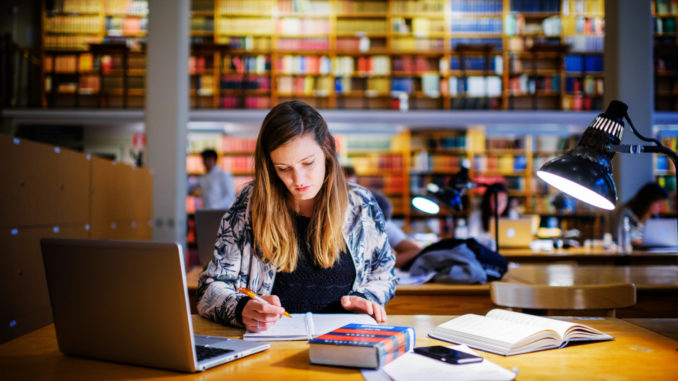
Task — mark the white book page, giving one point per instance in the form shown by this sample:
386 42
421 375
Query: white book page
487 329
306 326
535 321
323 323
412 366
294 328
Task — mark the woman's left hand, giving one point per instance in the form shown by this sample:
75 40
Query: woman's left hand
359 305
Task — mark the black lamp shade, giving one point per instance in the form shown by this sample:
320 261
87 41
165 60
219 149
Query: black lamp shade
585 180
586 171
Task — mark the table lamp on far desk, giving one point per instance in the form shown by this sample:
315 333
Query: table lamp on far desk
585 172
450 195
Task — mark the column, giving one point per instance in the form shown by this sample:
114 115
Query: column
167 110
629 78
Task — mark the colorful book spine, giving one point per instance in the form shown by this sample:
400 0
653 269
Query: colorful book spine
389 341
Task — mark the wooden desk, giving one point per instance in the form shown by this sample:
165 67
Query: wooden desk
635 354
590 256
657 290
666 327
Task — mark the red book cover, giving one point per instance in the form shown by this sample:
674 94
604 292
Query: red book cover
361 345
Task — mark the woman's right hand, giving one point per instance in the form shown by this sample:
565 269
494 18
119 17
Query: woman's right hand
258 316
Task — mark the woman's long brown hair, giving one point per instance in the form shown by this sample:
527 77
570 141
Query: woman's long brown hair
272 219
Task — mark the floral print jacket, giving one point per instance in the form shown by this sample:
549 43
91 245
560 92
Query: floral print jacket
236 263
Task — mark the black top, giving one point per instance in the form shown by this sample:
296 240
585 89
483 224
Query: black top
310 288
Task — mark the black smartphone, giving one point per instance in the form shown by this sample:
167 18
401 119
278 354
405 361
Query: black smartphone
448 355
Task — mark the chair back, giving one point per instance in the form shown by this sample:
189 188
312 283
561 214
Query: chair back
574 298
206 227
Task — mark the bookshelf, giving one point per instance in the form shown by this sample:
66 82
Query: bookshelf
92 53
401 165
512 158
665 15
235 156
347 54
664 170
381 163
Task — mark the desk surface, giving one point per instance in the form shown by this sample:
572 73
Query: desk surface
583 251
590 255
657 288
645 277
637 353
666 327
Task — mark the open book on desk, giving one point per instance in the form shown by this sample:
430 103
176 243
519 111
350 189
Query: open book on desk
307 326
510 333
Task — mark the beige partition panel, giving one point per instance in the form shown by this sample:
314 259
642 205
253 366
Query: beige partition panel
24 297
127 230
73 187
143 195
104 199
42 184
121 201
52 192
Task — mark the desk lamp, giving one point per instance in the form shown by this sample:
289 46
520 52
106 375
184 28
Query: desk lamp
450 195
585 171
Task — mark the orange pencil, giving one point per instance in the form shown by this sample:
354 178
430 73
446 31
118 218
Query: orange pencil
254 295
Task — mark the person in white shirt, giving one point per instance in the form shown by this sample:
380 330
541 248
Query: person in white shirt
405 247
216 186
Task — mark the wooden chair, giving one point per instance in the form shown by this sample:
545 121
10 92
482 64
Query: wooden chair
573 299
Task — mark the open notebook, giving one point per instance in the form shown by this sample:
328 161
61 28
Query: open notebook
307 326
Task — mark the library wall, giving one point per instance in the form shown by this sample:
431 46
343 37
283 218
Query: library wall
52 192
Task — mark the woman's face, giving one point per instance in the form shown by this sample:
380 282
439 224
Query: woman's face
300 164
502 200
657 207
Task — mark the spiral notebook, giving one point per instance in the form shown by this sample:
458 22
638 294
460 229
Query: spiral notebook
307 326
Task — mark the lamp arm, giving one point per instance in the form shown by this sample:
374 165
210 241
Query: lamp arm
634 149
641 137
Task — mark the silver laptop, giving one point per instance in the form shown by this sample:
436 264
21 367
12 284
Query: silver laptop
516 233
660 233
126 301
206 227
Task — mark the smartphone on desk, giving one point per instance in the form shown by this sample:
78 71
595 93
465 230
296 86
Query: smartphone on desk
448 355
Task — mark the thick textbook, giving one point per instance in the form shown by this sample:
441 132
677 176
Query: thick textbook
307 326
510 333
361 345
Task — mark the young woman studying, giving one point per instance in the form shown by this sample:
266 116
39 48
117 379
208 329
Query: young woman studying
649 201
298 235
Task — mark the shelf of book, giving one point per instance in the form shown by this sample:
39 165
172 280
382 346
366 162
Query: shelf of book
433 54
665 13
83 41
664 170
513 159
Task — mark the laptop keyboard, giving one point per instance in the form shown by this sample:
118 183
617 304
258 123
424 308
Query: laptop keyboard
204 352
